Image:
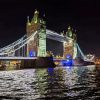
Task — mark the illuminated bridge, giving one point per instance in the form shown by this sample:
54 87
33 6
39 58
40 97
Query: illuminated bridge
34 44
8 52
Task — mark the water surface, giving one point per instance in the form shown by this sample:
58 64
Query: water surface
68 83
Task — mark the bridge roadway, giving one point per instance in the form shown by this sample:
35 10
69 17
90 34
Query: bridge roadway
17 58
21 58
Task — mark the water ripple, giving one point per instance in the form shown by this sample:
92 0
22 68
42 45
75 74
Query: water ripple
68 83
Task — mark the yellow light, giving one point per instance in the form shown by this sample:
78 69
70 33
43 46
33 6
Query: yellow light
29 24
56 63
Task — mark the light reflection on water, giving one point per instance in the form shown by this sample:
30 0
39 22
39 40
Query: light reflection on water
68 83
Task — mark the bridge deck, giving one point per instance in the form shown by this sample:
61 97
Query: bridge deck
16 58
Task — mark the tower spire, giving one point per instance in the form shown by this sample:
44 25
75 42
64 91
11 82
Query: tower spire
35 17
28 21
69 32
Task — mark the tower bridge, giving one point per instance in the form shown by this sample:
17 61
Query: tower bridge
38 40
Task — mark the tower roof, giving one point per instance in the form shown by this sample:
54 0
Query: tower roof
36 12
28 22
69 27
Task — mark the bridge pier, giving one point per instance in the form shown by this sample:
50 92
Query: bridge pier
40 62
27 63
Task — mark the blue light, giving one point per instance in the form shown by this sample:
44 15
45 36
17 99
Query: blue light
68 56
68 67
67 62
50 71
32 53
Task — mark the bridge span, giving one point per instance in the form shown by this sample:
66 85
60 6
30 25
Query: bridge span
34 43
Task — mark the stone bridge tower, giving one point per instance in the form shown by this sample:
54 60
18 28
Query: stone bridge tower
36 47
70 47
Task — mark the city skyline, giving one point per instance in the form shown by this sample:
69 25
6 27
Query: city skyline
83 16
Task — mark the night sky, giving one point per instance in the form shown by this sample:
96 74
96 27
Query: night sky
82 15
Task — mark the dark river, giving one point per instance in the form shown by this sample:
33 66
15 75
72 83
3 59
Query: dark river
60 83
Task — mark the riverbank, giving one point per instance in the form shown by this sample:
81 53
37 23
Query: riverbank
40 62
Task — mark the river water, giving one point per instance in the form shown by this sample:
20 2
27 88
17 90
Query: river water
60 83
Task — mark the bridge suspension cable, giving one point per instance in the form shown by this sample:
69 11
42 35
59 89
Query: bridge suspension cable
16 45
12 44
81 51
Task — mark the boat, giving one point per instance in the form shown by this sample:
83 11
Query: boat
73 62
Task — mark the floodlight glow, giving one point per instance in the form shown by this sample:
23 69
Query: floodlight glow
67 62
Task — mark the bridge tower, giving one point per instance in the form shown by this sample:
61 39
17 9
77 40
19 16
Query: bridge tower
75 49
70 45
37 46
42 40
